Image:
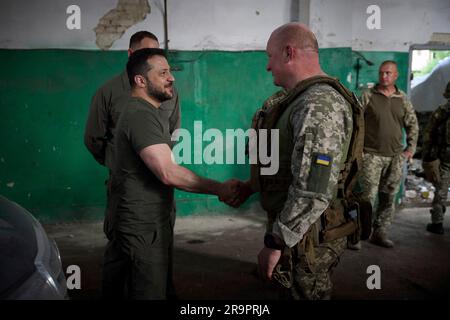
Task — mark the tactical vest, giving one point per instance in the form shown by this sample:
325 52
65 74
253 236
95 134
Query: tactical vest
437 137
275 114
335 223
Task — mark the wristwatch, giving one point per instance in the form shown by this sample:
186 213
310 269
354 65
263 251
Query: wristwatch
269 242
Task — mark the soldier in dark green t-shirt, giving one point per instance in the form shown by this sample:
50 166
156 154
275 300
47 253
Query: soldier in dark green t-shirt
105 110
138 256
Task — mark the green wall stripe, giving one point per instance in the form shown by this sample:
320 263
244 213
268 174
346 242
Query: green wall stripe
44 101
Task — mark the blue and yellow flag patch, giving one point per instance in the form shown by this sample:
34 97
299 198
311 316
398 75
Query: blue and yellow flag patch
323 159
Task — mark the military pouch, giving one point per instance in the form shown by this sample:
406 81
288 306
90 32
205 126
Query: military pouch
344 230
282 273
355 222
335 225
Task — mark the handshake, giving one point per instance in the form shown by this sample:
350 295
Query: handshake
235 192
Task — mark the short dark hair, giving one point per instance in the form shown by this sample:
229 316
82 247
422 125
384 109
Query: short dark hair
137 63
138 36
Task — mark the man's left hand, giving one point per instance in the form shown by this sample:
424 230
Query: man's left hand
267 260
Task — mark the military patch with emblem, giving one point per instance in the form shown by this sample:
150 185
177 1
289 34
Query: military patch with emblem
323 159
320 172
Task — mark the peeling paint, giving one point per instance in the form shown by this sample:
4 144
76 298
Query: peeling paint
10 184
114 24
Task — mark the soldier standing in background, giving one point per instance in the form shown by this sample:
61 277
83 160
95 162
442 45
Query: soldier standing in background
436 161
387 111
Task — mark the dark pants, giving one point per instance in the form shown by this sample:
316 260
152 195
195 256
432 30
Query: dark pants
111 203
140 265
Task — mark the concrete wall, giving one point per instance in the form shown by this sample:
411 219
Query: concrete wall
192 24
223 25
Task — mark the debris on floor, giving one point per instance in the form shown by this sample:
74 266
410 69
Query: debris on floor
417 189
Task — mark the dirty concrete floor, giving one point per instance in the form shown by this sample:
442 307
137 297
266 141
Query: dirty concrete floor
215 259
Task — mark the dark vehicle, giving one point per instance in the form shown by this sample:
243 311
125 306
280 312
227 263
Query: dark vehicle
30 264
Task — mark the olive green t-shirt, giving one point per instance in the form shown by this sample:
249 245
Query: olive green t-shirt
143 198
385 117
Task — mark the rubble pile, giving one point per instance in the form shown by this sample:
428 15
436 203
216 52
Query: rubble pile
417 189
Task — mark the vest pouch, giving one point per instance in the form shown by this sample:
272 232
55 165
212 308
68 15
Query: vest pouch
282 273
341 221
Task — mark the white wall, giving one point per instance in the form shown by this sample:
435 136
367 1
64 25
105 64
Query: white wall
227 24
193 24
403 23
331 22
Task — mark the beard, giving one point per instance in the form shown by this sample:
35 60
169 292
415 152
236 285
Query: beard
159 95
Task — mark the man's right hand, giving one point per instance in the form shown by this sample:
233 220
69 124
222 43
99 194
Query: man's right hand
242 191
229 191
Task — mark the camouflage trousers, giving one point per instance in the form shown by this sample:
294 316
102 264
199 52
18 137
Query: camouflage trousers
440 196
381 177
312 277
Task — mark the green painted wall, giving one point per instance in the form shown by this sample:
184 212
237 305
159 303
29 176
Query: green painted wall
44 100
370 73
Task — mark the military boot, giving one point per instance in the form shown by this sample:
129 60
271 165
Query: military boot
379 238
435 228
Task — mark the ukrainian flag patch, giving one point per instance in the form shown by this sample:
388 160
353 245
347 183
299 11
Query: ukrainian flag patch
323 159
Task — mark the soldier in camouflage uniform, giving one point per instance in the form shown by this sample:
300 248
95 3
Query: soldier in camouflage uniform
315 129
387 112
436 160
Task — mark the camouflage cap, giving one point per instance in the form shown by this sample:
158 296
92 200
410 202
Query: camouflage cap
447 91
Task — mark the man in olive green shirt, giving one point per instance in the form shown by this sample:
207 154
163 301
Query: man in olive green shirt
138 256
387 112
107 106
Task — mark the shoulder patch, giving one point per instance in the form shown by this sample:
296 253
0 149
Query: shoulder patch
323 159
319 174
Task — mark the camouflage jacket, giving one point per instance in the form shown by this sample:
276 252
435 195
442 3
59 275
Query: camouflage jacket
436 138
322 125
384 123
